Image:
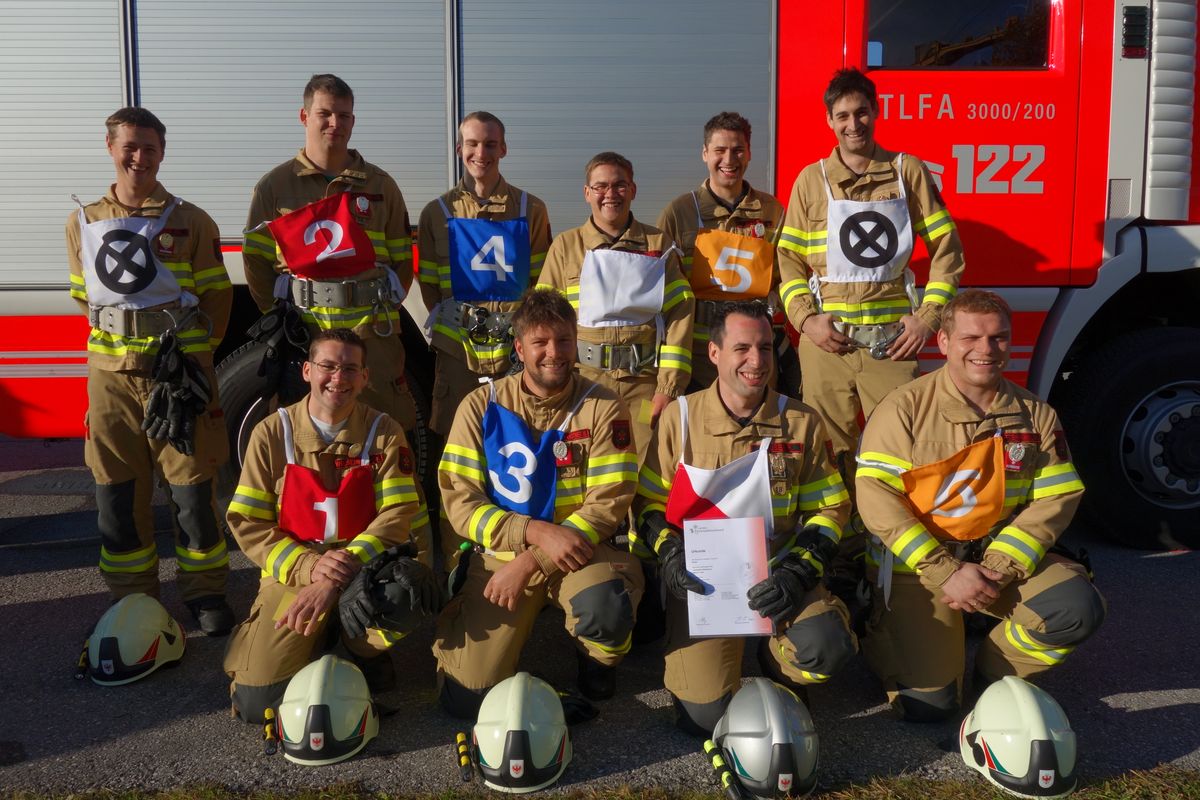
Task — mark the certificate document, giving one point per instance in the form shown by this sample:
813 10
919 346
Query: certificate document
728 556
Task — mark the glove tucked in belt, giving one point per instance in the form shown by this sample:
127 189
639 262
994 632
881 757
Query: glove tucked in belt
181 392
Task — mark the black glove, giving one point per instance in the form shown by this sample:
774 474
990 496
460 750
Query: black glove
674 574
392 591
781 596
407 581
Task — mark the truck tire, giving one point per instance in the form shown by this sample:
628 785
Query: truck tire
1132 415
240 389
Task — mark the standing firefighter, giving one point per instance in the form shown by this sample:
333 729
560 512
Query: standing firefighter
146 268
538 471
328 235
727 230
966 482
846 284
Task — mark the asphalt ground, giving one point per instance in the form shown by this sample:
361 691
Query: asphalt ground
1132 692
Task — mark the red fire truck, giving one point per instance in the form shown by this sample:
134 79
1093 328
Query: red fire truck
1061 132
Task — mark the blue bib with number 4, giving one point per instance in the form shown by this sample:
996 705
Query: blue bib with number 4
489 259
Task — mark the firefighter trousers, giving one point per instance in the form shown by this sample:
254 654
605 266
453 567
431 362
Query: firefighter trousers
453 380
124 462
260 660
478 644
387 390
915 643
703 674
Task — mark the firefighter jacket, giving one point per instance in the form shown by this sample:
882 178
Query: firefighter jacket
564 263
595 478
190 247
928 420
433 245
804 241
806 489
758 215
254 512
299 182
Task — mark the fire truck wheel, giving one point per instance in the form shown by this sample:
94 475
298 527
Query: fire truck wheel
1132 416
240 389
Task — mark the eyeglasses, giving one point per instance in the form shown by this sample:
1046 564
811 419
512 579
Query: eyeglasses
329 368
620 187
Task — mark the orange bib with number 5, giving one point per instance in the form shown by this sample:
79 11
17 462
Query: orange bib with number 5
729 266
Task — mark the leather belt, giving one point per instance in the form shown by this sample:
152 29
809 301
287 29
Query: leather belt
307 293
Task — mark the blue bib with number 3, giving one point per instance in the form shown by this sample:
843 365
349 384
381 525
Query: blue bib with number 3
521 472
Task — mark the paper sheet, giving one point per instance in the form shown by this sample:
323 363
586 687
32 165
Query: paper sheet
728 556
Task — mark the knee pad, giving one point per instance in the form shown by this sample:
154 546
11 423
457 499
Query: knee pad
918 705
194 512
605 614
251 702
459 701
1072 611
115 517
823 643
699 719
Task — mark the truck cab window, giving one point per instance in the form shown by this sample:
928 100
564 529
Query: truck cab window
969 34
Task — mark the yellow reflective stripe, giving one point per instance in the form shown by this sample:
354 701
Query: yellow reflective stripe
873 313
792 290
394 491
1054 480
935 226
78 287
462 461
214 278
913 545
1015 490
329 318
675 293
619 649
1019 638
828 526
142 560
202 560
427 272
1019 546
282 558
483 523
803 242
827 491
260 243
884 458
652 486
569 492
365 546
672 357
583 526
253 503
537 258
390 638
880 475
938 293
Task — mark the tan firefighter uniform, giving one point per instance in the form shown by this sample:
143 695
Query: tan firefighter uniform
806 490
260 659
665 368
478 643
840 386
297 183
123 461
1047 605
756 216
461 360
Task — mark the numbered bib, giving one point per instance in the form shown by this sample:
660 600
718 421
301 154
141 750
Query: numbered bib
489 259
960 497
119 265
729 266
322 240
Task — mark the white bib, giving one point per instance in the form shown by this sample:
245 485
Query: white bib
868 241
617 288
119 265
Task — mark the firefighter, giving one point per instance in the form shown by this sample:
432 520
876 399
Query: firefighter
633 304
538 470
146 268
727 231
326 486
761 454
328 235
966 483
846 284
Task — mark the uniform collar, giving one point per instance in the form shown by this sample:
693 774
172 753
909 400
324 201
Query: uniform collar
749 203
157 200
767 420
309 440
551 403
498 196
881 166
355 171
955 409
632 238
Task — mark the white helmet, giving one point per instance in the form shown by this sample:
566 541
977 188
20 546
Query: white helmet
521 742
1019 738
326 715
769 741
134 637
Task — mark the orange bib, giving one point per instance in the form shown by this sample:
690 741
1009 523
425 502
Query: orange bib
729 266
960 497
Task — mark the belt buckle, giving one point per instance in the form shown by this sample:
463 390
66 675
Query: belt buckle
477 330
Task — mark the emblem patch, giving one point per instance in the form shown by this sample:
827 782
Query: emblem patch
316 740
622 437
1060 446
1045 778
516 767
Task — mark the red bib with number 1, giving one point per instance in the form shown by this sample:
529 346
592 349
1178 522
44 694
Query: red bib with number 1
323 240
312 513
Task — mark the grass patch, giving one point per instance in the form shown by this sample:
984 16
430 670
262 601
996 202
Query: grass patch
1160 783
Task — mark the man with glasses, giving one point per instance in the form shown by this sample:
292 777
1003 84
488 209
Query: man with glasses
634 306
326 486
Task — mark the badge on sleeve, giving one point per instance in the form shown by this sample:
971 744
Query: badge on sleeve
1060 445
622 437
405 459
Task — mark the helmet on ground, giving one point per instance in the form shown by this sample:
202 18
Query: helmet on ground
769 741
326 715
521 742
134 637
1019 738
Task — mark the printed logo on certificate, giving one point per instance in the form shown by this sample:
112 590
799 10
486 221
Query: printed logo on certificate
728 556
